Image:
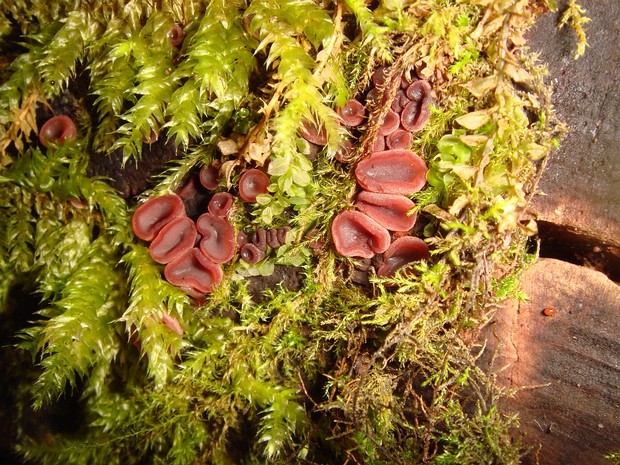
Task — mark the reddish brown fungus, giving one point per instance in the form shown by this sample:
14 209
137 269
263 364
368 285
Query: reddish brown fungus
389 210
392 172
391 122
419 91
311 133
218 238
272 239
282 232
414 116
174 239
400 100
176 35
357 235
154 214
192 270
379 145
172 323
251 254
209 176
253 183
220 204
379 76
345 152
402 251
399 139
56 130
242 239
352 113
259 239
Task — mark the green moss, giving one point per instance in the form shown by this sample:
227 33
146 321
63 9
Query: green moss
328 372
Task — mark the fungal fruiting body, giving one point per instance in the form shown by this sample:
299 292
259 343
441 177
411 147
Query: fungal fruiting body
218 238
402 251
550 311
154 214
387 176
193 271
57 130
357 235
392 172
389 210
252 183
174 239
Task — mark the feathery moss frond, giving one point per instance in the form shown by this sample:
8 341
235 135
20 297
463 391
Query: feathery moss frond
81 334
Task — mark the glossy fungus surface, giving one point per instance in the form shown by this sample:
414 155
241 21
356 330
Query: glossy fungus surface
176 35
220 204
209 176
389 210
249 253
154 214
402 251
400 100
259 239
391 122
414 116
218 238
379 145
352 113
193 271
419 91
392 172
345 152
311 133
357 235
399 139
173 240
57 130
253 183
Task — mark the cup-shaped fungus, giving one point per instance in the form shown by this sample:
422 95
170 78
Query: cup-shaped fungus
249 253
174 239
400 100
389 210
218 238
220 204
154 214
352 113
399 139
209 176
416 113
357 235
392 172
56 130
193 271
313 134
402 251
259 239
253 183
379 145
176 35
391 122
345 152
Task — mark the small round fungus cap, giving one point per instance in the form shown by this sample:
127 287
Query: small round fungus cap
389 210
57 129
220 204
357 235
312 134
174 239
193 271
253 183
154 214
219 238
249 253
352 113
402 252
392 172
209 176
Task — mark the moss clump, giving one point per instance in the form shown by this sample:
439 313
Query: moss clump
331 372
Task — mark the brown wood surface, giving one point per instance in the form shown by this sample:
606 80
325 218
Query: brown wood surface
566 368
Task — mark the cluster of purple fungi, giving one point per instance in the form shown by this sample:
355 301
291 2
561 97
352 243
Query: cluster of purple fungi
379 227
193 252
